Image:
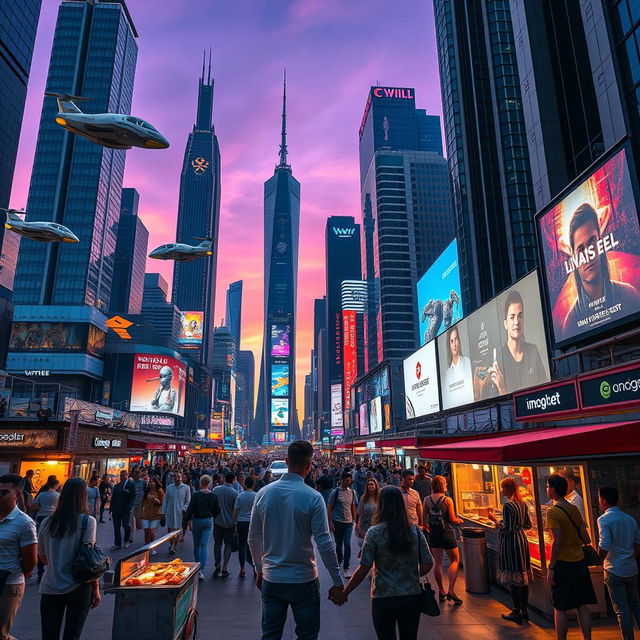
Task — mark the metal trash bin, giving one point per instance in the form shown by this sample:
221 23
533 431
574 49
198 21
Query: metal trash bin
474 559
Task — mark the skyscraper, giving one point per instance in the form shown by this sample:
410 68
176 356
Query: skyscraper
163 315
406 205
319 401
245 391
131 257
76 182
276 409
194 283
234 310
486 145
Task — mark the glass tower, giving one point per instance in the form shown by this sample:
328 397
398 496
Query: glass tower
276 409
74 181
234 310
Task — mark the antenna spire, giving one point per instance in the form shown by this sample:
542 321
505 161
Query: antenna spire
283 142
209 74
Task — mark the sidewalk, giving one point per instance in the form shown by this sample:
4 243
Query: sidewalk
230 608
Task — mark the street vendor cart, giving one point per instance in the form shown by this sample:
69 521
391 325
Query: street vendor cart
154 600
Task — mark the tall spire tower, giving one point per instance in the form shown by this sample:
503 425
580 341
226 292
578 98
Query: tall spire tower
276 415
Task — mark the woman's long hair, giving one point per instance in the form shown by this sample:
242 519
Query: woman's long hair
156 485
514 489
368 495
51 482
393 513
72 503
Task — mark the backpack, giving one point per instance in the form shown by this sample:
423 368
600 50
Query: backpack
435 519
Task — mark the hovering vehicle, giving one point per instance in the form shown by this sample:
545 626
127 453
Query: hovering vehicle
112 130
41 231
183 252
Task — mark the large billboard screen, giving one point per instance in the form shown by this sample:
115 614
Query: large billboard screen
191 328
364 419
279 380
280 345
421 382
337 418
279 413
440 295
46 336
158 384
375 415
590 244
498 349
349 354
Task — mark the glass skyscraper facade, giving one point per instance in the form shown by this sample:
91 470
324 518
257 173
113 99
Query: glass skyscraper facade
233 310
74 181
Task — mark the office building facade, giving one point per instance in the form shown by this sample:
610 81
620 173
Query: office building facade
245 391
233 312
486 146
162 314
319 402
276 408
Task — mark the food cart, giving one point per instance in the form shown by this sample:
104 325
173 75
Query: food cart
154 600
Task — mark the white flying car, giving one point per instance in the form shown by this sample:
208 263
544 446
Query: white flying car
112 130
183 252
41 231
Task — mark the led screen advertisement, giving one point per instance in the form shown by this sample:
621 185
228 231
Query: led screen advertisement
375 415
158 384
349 354
337 418
46 336
279 413
280 345
590 252
364 419
439 295
191 328
279 380
421 382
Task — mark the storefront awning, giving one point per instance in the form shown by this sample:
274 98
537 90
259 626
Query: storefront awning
541 444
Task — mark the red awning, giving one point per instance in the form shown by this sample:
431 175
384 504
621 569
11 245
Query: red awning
541 444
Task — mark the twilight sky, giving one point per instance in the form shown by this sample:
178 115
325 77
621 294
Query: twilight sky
334 50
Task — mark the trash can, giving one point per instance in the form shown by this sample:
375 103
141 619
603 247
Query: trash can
474 558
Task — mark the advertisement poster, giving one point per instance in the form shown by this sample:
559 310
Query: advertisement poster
349 354
375 415
280 380
95 340
591 253
158 384
439 295
45 336
421 382
456 375
279 413
485 351
364 419
191 328
277 437
337 419
280 340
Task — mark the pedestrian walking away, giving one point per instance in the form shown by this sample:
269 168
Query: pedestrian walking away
287 517
325 484
619 545
341 512
241 519
93 496
105 494
43 506
422 483
223 525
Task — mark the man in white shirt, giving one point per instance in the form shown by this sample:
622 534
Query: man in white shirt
572 494
619 544
411 498
287 516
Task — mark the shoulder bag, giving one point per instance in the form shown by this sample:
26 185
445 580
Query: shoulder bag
428 603
591 556
90 561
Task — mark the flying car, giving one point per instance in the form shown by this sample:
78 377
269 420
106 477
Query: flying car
41 231
112 130
183 252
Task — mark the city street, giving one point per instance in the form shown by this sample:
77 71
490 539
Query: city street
230 608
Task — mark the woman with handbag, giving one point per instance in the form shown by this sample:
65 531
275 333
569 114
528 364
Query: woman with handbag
367 509
59 540
514 560
399 555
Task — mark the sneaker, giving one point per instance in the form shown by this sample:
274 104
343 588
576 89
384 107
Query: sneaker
126 545
116 547
347 574
514 616
200 576
216 573
242 573
224 574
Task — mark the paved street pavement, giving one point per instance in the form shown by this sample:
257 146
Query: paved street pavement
229 609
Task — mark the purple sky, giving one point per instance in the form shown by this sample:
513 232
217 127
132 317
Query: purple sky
333 51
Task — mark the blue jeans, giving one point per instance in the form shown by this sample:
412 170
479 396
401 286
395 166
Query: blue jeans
304 600
342 534
625 601
202 528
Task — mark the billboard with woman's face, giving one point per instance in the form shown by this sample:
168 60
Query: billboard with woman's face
590 242
456 375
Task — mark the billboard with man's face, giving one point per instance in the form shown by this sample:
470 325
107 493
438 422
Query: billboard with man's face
158 384
590 244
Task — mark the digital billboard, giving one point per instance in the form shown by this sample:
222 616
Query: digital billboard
375 415
364 419
158 384
337 418
440 295
191 328
277 437
421 382
46 336
95 340
590 246
279 413
349 354
280 380
280 345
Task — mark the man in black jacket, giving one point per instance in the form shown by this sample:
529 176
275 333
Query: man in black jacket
122 497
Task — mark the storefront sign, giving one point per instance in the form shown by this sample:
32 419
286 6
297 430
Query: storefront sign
617 388
546 402
107 443
28 439
371 444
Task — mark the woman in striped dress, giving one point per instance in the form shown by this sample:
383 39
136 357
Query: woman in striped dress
514 561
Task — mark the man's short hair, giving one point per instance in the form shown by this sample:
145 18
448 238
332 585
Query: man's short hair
609 495
569 475
407 473
229 477
422 468
299 453
345 474
13 479
513 297
558 484
250 482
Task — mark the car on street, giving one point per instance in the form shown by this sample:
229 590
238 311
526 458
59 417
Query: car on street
278 468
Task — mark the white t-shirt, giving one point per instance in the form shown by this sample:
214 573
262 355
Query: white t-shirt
458 384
